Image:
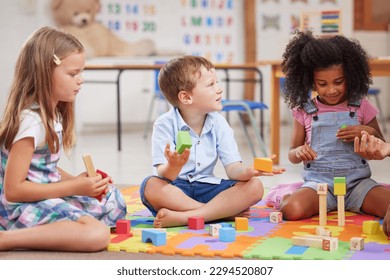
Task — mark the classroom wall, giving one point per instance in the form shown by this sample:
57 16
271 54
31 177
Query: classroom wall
96 104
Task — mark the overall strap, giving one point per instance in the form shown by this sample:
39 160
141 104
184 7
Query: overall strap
353 104
310 108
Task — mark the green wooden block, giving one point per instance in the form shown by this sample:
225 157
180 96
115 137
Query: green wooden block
340 180
183 141
343 126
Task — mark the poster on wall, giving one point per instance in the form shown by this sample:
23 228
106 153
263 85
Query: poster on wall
276 21
210 28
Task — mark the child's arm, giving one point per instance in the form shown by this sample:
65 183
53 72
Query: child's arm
239 172
299 150
175 163
349 133
18 189
386 222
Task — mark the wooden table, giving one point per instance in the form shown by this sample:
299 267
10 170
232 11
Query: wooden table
120 68
379 67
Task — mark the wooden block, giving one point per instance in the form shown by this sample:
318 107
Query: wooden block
157 238
276 217
339 186
322 210
183 141
370 227
322 188
214 229
138 231
356 243
322 231
123 226
195 222
314 242
330 243
340 211
89 165
241 223
263 164
227 234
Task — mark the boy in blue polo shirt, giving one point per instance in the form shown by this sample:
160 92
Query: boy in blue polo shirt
184 185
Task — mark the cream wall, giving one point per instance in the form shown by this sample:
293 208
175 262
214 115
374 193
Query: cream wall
97 103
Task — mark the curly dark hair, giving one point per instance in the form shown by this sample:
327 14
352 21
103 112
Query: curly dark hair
305 53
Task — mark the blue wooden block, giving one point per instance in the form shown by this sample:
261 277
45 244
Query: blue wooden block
157 238
227 234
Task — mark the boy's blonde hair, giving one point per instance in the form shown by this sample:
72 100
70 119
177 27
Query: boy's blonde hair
181 74
32 84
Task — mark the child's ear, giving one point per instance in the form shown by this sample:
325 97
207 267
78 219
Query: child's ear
185 97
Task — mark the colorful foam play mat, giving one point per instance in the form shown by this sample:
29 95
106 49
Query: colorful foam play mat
261 239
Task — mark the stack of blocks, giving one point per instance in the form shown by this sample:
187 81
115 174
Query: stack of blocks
340 189
183 141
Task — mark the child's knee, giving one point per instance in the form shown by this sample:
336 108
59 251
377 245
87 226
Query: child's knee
292 210
256 189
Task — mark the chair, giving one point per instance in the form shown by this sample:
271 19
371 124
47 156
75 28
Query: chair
247 107
375 93
157 96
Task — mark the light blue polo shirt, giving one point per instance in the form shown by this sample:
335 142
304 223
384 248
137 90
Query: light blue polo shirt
216 141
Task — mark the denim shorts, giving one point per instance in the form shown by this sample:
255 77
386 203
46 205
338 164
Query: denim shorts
202 192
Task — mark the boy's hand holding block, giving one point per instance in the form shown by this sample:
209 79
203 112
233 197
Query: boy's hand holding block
263 164
183 141
91 172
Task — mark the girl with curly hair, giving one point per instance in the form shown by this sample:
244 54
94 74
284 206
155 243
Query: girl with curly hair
324 128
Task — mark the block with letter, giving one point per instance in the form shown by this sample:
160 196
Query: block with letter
183 141
330 243
214 229
276 217
263 164
356 243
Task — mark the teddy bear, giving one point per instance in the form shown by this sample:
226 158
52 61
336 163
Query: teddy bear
77 17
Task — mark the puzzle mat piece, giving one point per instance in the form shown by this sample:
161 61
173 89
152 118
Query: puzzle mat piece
263 240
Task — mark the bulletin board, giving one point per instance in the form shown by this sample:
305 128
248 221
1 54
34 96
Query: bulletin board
210 28
278 19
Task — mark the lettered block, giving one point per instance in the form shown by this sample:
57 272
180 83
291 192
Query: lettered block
356 243
322 188
263 164
276 217
330 243
214 229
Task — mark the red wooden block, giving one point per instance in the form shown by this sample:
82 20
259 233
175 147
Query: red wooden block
104 175
123 226
195 222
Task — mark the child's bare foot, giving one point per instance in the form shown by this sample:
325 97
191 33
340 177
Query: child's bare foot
169 218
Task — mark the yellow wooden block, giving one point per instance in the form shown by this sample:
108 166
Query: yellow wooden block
263 164
370 227
340 189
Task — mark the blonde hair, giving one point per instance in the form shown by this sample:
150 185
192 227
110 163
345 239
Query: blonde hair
32 84
181 74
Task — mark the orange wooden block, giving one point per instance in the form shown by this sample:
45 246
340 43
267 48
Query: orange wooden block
263 164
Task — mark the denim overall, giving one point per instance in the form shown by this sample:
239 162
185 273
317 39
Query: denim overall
336 158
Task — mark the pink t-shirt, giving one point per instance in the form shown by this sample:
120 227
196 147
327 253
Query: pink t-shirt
366 112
